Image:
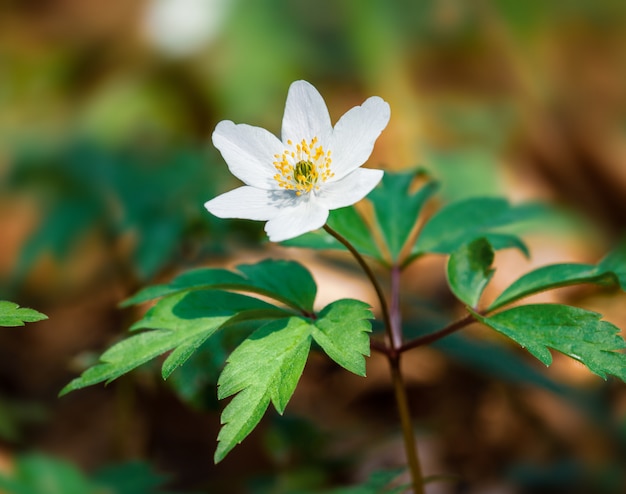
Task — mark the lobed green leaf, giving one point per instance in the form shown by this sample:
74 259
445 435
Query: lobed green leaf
182 321
266 367
341 330
469 270
575 332
11 314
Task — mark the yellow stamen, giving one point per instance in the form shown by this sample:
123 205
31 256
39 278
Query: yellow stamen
300 169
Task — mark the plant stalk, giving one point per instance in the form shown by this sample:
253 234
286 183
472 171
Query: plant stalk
437 335
370 274
393 330
402 402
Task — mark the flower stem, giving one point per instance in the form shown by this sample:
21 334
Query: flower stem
370 274
393 328
407 426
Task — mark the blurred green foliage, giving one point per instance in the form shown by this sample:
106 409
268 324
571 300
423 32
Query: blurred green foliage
41 474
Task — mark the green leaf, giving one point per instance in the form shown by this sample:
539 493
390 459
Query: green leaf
376 483
267 365
190 280
397 208
553 276
615 262
38 474
347 222
501 241
12 314
575 332
286 281
341 330
469 270
182 321
463 221
134 477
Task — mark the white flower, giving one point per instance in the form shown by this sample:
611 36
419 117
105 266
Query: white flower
293 184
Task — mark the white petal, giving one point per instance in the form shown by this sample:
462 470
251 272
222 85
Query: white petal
306 115
249 203
307 216
350 189
249 152
356 132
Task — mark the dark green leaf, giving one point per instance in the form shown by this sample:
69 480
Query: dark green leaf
469 270
463 221
130 478
397 208
12 314
190 280
377 483
575 332
286 281
501 241
553 276
615 262
347 222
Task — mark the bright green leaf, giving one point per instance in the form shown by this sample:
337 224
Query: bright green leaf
463 221
469 270
12 314
182 321
266 367
575 332
397 208
341 330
